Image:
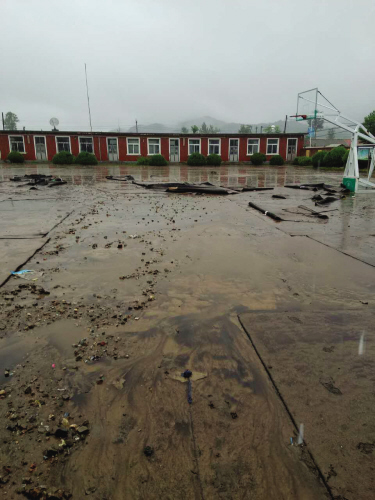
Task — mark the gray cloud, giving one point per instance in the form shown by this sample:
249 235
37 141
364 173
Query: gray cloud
169 60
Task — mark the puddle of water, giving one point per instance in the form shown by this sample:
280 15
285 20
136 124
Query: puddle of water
226 175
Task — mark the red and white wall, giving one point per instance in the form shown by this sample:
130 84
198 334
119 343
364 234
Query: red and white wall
130 146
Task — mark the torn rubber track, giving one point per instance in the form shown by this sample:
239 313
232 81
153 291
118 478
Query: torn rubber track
265 212
320 474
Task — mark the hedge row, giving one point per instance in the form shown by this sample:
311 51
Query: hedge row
337 157
198 160
66 158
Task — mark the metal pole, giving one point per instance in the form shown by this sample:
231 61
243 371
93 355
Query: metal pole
2 117
88 99
286 119
136 126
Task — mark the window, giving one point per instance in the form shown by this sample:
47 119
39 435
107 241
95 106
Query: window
154 146
252 146
213 146
194 146
272 146
86 144
17 143
63 144
133 146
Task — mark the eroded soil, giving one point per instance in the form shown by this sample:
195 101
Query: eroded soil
133 287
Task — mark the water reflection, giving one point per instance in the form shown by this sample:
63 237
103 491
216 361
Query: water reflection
228 175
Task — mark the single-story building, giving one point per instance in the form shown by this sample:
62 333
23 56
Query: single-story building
128 147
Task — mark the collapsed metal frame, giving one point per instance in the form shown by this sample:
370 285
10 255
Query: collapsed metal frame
351 177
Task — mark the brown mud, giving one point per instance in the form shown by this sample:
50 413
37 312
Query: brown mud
135 286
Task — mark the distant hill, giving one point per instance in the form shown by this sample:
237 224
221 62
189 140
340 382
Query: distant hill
225 127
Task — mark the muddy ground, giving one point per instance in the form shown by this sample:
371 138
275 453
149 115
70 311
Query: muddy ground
132 287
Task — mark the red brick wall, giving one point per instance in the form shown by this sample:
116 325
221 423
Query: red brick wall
102 152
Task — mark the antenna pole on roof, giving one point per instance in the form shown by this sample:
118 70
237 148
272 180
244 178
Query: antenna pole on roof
136 126
88 99
286 119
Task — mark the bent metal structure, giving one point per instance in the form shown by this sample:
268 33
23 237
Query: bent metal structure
312 105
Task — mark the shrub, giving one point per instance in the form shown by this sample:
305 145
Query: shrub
277 160
16 157
318 157
303 161
345 157
258 158
63 158
334 158
158 161
295 161
143 160
85 158
196 160
214 160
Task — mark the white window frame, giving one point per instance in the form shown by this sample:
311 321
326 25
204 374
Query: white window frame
45 143
63 137
277 148
23 142
214 139
148 145
194 139
85 137
247 145
139 146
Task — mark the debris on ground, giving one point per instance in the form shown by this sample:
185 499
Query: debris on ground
265 212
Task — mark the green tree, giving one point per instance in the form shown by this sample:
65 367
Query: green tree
331 134
213 130
369 122
317 123
184 130
10 121
272 129
245 129
194 129
204 128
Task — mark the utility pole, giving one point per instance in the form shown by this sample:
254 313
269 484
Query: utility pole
286 119
2 117
88 99
256 130
136 126
261 129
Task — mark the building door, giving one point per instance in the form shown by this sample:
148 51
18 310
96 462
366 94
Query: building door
233 150
40 148
112 149
174 150
291 149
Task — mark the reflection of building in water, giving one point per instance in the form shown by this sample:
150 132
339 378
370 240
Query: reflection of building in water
228 176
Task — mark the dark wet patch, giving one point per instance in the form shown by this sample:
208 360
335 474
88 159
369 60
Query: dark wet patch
182 428
366 448
328 384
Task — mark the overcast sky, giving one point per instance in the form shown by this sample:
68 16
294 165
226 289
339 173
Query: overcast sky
172 60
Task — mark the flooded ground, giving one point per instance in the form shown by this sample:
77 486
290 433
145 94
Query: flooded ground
135 286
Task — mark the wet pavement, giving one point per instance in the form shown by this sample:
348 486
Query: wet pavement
157 283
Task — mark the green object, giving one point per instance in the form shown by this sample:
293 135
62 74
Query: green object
196 160
318 157
158 161
143 160
350 183
15 157
85 158
258 158
334 158
63 158
277 160
214 160
302 161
